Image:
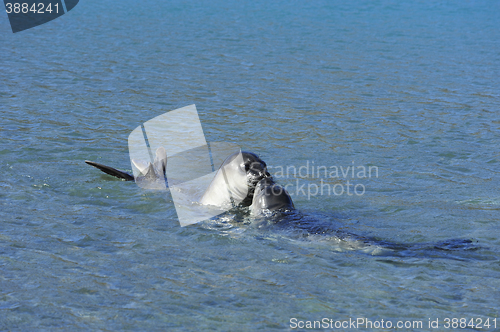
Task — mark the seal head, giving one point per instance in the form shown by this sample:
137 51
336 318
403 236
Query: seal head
269 197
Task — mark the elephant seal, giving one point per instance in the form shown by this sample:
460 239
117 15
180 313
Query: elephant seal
243 179
235 180
234 183
269 197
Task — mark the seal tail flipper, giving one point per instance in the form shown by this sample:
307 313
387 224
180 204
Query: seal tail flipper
157 169
453 248
142 166
456 244
149 173
111 171
160 162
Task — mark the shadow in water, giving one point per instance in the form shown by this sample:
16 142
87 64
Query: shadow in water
299 226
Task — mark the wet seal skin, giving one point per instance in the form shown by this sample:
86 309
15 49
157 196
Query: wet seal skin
270 196
256 170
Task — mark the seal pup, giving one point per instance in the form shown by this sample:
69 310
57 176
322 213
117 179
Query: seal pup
269 197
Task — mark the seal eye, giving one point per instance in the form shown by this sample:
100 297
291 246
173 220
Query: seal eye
247 167
256 167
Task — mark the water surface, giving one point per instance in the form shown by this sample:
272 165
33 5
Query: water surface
409 87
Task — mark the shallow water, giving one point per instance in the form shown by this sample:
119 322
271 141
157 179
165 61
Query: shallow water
411 88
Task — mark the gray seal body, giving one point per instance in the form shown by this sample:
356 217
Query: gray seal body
269 197
235 181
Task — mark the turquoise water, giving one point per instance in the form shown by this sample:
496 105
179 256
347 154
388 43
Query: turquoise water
409 87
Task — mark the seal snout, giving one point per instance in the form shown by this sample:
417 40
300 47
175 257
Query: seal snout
270 196
255 168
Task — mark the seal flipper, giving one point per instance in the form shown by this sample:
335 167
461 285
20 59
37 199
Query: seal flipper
159 166
111 171
160 162
149 173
